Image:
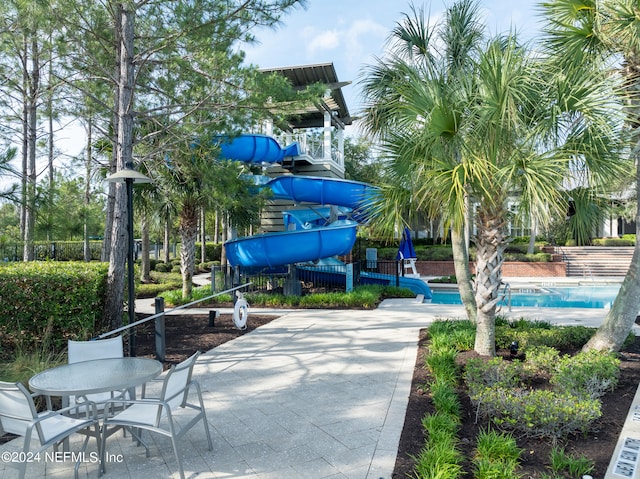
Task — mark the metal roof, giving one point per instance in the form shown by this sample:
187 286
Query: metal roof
304 75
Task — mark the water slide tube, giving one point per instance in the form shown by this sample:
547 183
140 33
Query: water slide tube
255 149
313 239
315 236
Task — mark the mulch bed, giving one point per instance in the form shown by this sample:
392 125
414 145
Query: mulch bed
186 334
598 445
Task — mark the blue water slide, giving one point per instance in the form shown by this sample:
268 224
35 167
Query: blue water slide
317 234
289 247
255 149
315 240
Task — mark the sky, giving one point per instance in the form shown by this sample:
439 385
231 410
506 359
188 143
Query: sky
352 33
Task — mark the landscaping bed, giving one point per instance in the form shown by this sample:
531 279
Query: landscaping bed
188 333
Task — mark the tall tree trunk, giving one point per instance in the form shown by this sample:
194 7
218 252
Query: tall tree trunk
50 143
124 154
203 236
167 241
87 189
188 234
616 326
32 138
463 274
490 246
216 229
619 321
145 263
110 206
223 239
25 141
532 239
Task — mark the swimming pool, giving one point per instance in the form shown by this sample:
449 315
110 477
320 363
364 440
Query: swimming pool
600 296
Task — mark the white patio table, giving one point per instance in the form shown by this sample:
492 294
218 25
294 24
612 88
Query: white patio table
95 376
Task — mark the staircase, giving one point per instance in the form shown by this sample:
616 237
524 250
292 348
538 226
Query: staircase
587 261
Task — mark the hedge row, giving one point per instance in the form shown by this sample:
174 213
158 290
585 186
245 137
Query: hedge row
44 301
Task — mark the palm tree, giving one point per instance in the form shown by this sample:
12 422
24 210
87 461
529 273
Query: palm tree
441 81
603 34
467 141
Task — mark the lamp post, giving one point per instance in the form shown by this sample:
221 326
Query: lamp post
129 176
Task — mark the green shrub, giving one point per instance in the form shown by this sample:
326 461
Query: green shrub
162 267
533 333
442 364
451 279
480 374
536 413
590 373
435 253
624 241
496 457
575 466
541 360
445 397
457 334
498 390
440 458
69 294
151 290
27 362
174 297
213 251
366 297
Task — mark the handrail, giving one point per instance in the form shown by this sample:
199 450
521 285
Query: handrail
154 316
506 294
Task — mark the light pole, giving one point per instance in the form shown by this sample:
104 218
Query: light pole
129 176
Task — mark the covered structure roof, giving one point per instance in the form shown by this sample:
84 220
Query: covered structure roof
304 75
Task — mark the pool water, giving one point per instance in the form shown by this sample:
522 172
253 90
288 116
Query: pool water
547 297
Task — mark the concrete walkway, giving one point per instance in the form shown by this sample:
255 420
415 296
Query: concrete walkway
312 394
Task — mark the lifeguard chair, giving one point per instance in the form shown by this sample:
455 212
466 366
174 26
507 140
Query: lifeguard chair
407 255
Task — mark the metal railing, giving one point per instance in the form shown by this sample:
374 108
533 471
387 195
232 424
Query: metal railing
311 278
504 296
159 318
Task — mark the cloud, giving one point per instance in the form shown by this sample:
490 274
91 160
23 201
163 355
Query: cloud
360 36
322 41
355 39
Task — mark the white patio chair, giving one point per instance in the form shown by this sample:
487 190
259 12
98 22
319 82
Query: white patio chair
18 415
78 351
155 414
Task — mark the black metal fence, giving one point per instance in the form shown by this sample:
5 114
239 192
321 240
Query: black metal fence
302 279
57 250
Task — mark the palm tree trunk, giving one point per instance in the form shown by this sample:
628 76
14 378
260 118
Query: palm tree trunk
167 239
615 328
490 246
188 235
463 273
145 263
532 239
